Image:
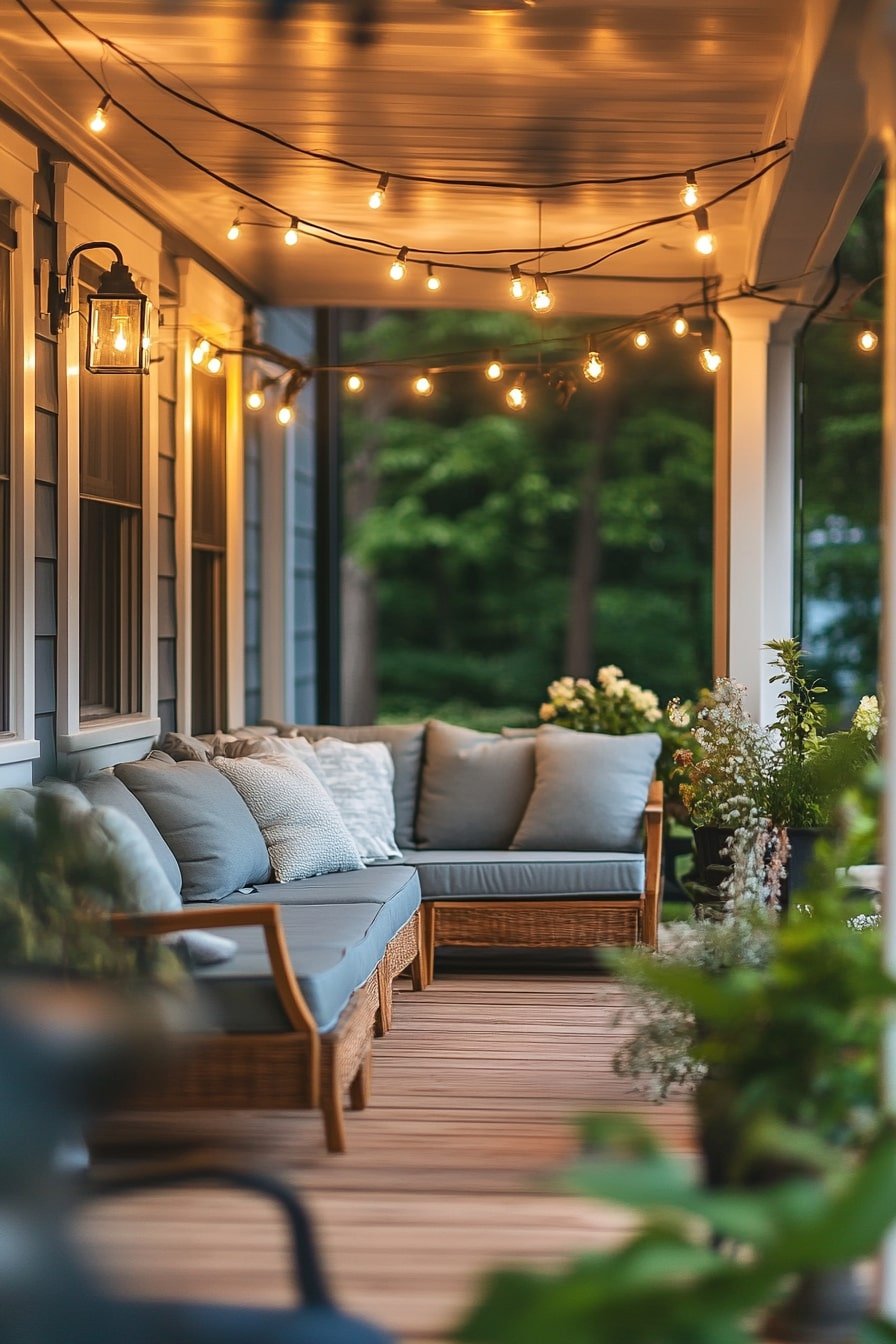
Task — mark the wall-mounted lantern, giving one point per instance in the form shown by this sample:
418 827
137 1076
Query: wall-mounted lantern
118 317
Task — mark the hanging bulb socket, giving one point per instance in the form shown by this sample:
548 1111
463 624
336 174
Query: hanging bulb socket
234 231
690 196
378 195
593 368
215 363
705 242
681 326
354 383
710 359
433 283
286 413
494 369
867 340
517 285
516 395
398 270
641 339
542 299
423 384
291 236
99 121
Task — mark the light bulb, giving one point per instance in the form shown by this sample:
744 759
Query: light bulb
378 195
494 369
234 231
285 414
255 399
432 280
705 242
517 284
542 299
291 236
516 396
423 385
867 340
593 368
354 383
215 363
398 270
200 350
710 359
120 339
689 195
680 326
641 340
99 121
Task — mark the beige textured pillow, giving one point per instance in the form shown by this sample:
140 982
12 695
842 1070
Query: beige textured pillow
301 825
474 789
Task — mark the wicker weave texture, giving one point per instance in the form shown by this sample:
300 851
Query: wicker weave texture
346 1047
537 924
232 1072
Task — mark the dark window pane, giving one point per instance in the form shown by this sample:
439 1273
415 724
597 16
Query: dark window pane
111 432
5 430
110 610
209 641
209 460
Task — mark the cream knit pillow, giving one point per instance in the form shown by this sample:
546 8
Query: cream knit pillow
301 825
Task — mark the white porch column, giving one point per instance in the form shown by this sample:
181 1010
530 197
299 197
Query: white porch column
753 546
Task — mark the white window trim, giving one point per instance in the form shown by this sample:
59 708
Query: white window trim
208 308
18 164
88 212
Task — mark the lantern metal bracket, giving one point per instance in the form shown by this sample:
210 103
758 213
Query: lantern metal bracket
59 297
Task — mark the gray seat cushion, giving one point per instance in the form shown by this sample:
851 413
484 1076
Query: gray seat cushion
334 948
451 874
404 740
395 887
205 822
104 790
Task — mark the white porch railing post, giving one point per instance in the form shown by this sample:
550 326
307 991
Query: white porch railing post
754 497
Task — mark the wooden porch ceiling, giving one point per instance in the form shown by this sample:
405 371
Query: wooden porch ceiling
563 89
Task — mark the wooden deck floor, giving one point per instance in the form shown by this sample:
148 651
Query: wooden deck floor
448 1172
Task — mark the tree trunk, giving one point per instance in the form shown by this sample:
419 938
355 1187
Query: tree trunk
578 654
359 624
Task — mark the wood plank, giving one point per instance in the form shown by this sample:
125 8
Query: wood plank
450 1171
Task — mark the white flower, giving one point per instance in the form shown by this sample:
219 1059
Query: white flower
867 716
606 676
677 716
547 712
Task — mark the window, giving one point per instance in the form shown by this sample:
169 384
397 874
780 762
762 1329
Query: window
111 540
7 242
209 552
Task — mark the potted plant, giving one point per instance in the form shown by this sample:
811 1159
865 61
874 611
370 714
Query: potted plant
774 786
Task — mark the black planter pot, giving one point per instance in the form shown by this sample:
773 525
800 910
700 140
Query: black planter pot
802 846
712 865
824 1307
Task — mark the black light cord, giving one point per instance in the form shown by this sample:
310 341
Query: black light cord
485 184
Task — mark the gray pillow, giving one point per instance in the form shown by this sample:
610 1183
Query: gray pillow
590 792
205 823
404 740
104 790
475 788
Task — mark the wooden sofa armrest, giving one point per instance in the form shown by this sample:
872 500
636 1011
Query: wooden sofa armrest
229 917
653 862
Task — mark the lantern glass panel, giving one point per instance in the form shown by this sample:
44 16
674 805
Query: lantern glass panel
118 334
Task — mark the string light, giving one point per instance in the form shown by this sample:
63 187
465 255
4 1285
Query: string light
710 359
378 195
867 340
200 350
286 413
516 395
593 368
398 270
432 280
517 285
542 299
689 195
705 242
234 231
99 121
215 363
494 369
255 399
423 385
291 236
681 326
354 383
641 339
